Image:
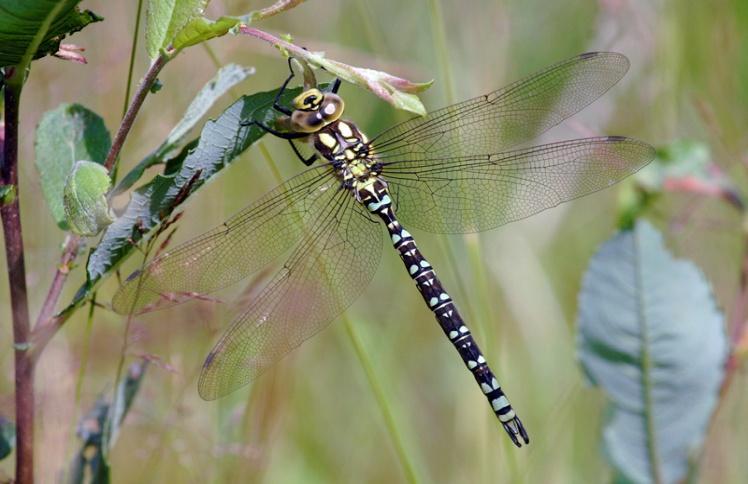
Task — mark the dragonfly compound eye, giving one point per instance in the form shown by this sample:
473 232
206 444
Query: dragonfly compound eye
307 121
332 107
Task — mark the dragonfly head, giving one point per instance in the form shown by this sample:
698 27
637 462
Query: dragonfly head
313 110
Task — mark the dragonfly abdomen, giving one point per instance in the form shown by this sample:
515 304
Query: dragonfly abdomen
376 198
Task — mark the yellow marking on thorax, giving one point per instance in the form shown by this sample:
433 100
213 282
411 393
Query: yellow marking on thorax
328 140
358 169
345 130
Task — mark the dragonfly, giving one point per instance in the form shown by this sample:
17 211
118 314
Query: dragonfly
461 169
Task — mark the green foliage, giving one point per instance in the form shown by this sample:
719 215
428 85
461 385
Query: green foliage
682 158
179 23
7 437
220 142
201 29
21 21
65 135
164 18
651 336
226 78
86 207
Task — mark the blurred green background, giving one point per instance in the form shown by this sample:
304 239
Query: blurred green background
315 417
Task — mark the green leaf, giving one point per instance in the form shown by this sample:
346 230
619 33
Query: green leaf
7 437
221 141
651 336
164 18
20 21
65 135
226 78
201 29
86 206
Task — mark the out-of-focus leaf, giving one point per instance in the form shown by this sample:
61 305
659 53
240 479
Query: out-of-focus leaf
687 166
680 158
651 336
164 18
90 465
64 136
201 29
86 207
7 437
226 78
221 141
20 21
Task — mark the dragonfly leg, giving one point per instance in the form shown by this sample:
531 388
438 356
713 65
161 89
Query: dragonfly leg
276 102
306 161
335 86
268 129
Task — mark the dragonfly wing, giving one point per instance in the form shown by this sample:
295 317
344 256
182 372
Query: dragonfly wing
476 193
230 252
329 268
507 117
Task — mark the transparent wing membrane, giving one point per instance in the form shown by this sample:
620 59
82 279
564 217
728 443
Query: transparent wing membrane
459 169
506 117
330 267
475 193
232 251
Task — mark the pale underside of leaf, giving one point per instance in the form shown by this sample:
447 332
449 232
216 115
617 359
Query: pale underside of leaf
651 336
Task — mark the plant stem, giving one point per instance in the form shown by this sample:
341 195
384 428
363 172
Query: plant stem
132 111
275 41
133 49
11 220
46 321
384 405
86 349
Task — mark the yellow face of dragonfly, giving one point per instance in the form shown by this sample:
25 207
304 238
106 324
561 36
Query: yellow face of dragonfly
313 110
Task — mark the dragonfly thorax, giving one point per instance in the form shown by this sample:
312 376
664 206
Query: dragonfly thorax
347 148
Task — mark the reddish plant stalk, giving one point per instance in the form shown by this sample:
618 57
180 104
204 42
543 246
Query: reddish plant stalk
11 220
124 128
